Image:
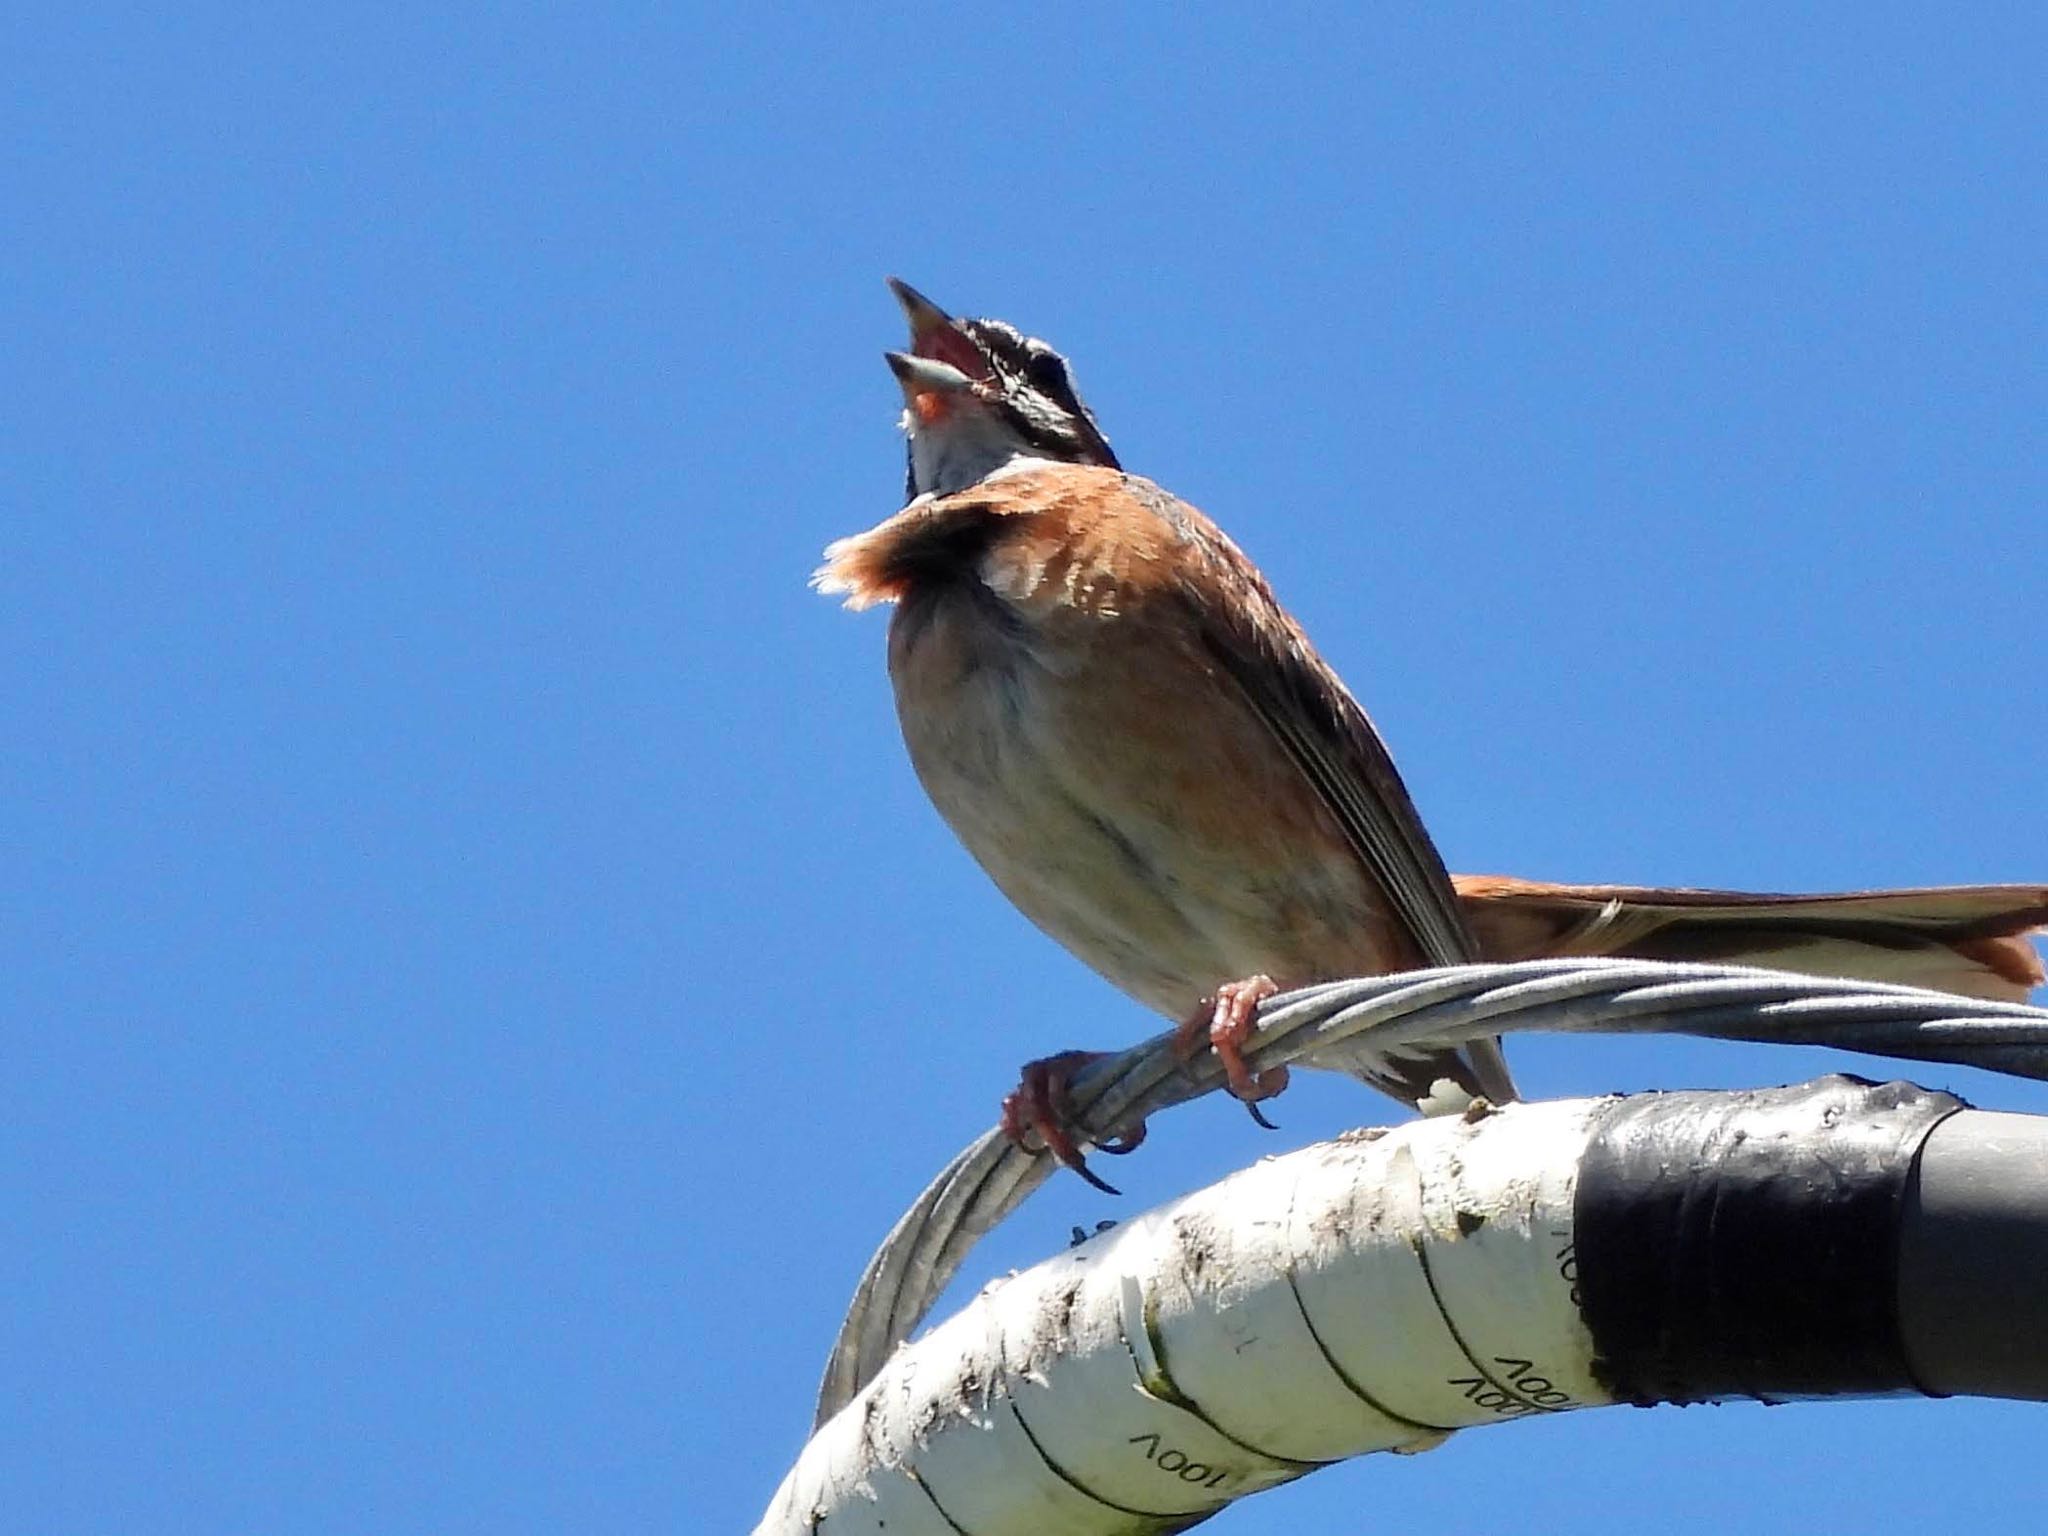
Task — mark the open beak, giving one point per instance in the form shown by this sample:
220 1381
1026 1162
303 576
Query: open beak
937 335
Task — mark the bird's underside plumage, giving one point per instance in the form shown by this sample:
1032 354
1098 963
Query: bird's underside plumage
1103 699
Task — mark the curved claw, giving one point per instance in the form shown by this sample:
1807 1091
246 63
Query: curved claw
1124 1142
1080 1166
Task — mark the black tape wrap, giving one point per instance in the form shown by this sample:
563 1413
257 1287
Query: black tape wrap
1746 1244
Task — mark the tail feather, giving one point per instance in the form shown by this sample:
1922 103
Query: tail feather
1973 940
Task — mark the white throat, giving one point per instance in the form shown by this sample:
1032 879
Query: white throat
965 450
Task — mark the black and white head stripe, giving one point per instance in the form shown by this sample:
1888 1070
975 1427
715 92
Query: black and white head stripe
1029 367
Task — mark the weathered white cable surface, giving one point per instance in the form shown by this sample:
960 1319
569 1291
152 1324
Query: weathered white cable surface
990 1178
1372 1293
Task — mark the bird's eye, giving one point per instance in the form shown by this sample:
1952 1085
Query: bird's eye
1048 371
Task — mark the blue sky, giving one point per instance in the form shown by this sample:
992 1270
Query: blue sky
478 973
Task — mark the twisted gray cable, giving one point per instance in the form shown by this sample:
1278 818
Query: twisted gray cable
992 1177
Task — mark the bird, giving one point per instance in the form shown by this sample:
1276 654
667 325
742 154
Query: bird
1054 614
1106 702
1972 940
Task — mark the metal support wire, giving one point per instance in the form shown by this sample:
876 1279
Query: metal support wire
992 1177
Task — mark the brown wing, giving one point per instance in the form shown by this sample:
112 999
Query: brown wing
1331 740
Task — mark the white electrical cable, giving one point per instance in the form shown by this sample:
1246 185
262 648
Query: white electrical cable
992 1177
1369 1294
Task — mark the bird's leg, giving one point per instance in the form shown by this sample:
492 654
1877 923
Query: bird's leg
1040 1102
1225 1021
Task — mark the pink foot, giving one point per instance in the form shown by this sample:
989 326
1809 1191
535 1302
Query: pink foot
1226 1023
1040 1105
